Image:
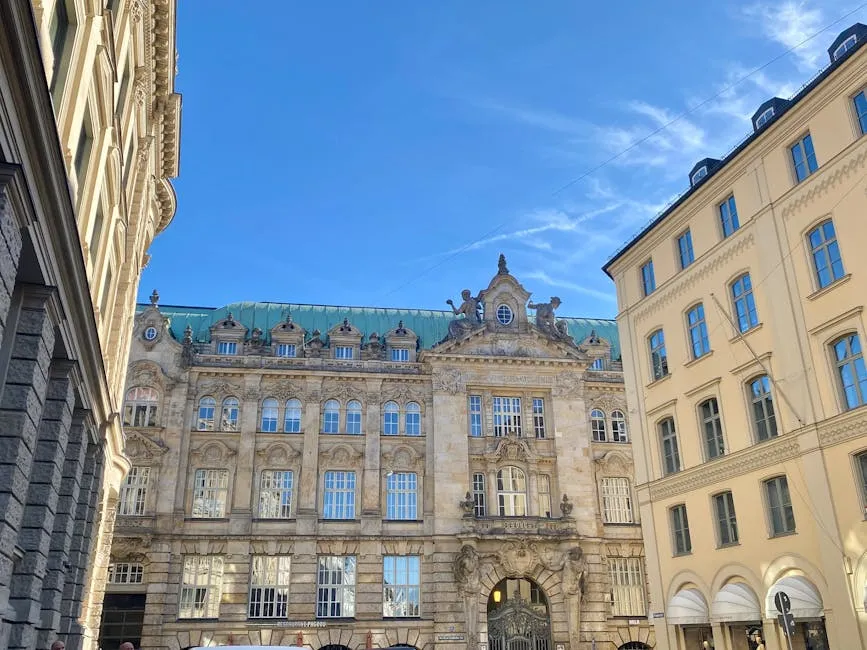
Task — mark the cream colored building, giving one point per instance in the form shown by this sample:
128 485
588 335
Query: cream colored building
88 141
346 477
742 325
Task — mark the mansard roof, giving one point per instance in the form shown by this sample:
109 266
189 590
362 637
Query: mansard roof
430 325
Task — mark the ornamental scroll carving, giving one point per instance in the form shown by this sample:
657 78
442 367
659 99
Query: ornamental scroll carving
402 457
219 389
142 449
340 455
401 392
568 384
284 390
278 454
342 390
214 451
449 380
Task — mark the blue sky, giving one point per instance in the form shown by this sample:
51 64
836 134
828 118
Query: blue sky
383 153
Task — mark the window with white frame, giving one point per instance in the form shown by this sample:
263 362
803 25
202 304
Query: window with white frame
353 417
201 586
511 492
339 495
598 364
391 419
292 416
851 373
140 407
133 491
270 414
412 419
331 417
401 495
229 417
627 586
227 348
475 415
539 417
286 350
766 115
700 173
205 420
335 586
125 573
275 494
764 419
616 500
210 491
825 253
597 425
343 352
780 511
727 523
399 354
618 426
714 446
845 46
804 157
700 344
544 490
507 416
269 586
479 498
401 586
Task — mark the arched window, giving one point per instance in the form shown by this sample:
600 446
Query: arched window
413 419
269 415
597 425
618 427
331 417
292 420
391 419
353 417
229 418
207 406
511 492
140 407
851 370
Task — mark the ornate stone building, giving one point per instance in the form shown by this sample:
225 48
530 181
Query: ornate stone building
88 141
360 477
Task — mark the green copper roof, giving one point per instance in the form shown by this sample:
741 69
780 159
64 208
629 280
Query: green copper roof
431 326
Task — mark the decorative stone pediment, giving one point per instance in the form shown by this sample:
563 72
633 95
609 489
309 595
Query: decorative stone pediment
284 390
218 389
402 457
402 392
228 329
504 290
213 451
278 454
568 384
340 455
615 463
342 390
129 549
288 332
146 373
608 403
142 449
448 380
513 450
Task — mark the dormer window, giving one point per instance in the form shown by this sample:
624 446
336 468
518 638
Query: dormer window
399 354
343 352
227 348
700 173
763 119
845 46
286 350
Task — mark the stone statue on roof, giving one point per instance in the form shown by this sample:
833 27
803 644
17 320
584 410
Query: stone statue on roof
467 316
546 320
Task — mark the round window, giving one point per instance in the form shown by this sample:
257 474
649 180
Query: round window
150 333
504 314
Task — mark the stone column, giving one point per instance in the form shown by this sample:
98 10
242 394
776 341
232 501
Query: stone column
533 494
43 495
493 504
94 592
22 397
370 488
243 488
310 456
718 636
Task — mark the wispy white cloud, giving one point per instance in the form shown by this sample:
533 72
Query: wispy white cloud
542 276
536 118
791 24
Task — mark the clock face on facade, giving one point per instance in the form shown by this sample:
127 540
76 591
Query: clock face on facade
150 333
504 314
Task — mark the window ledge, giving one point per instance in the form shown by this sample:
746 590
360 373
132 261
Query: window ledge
403 521
259 520
836 283
787 534
730 545
339 521
620 524
684 554
692 362
740 335
656 382
206 519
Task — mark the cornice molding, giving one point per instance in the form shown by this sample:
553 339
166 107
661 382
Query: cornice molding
823 184
846 429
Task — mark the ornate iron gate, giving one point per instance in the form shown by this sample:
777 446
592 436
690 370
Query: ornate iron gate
517 626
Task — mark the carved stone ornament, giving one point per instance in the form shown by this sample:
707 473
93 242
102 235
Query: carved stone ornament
518 558
615 463
129 548
467 505
568 384
449 380
284 390
511 449
219 389
574 570
402 457
340 455
214 451
566 506
547 322
142 448
608 403
401 392
466 570
278 454
342 390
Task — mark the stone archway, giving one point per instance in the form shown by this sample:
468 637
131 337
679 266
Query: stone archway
519 617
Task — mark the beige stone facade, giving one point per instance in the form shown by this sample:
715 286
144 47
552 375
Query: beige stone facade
89 139
741 324
444 473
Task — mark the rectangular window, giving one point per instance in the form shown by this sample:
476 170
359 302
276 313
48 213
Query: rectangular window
227 348
684 249
60 31
85 144
804 157
125 573
670 450
627 586
827 263
658 355
727 524
782 515
106 293
712 424
286 350
616 501
335 587
275 494
401 496
201 586
539 417
745 303
133 492
507 416
475 415
95 234
343 352
479 504
680 530
544 495
728 216
211 488
648 281
399 354
861 462
401 586
339 497
698 331
764 419
269 586
861 111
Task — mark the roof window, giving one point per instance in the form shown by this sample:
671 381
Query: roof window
698 174
763 119
845 46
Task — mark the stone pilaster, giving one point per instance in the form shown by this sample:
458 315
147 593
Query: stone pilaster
94 592
10 253
311 422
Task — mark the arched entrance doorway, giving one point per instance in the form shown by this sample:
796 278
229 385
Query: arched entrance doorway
518 616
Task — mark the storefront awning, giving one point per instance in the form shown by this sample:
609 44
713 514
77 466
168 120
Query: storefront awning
805 598
687 607
735 602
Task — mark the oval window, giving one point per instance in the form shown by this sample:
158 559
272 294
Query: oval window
504 314
150 333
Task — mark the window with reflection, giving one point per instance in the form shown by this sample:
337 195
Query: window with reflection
412 419
331 417
511 492
229 418
850 370
269 415
205 420
353 417
140 407
391 419
292 419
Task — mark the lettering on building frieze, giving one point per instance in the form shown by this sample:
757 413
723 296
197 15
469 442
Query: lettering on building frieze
503 379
